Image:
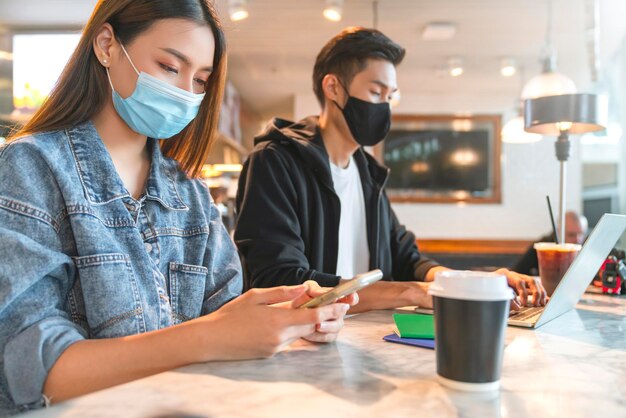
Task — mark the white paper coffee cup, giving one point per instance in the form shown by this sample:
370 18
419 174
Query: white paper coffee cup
471 310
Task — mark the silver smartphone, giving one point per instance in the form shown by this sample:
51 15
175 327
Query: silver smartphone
345 288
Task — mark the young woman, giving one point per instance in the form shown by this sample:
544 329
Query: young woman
115 264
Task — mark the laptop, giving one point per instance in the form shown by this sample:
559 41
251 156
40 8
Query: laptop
573 284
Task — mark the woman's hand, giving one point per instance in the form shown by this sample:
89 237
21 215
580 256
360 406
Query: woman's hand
257 323
326 331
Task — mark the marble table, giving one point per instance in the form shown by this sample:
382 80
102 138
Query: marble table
574 366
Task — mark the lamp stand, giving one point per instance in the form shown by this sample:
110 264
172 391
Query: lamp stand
562 147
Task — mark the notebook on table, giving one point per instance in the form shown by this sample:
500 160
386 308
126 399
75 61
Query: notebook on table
414 330
416 342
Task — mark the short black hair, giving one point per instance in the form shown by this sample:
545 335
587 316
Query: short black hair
346 54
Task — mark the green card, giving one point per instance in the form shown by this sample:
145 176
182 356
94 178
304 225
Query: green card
414 326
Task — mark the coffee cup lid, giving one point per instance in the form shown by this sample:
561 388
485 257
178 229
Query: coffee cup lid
471 285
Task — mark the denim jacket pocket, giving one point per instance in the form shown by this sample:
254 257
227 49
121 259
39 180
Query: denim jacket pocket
187 283
112 301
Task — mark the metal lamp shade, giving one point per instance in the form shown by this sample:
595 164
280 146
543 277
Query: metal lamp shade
586 113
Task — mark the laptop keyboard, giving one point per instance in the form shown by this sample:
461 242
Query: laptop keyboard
527 313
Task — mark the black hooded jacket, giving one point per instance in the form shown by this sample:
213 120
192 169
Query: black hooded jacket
288 213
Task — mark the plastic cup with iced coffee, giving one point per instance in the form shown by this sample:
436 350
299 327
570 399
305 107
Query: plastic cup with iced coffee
554 260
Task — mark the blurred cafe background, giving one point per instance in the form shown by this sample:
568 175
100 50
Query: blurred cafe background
466 177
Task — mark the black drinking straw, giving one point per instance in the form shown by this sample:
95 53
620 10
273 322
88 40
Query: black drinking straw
556 235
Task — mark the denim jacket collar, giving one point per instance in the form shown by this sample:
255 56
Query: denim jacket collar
99 177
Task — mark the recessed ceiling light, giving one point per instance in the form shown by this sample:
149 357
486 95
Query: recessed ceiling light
238 10
507 67
455 66
333 10
456 71
439 31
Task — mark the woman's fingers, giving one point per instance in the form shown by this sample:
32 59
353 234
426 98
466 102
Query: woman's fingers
318 315
319 337
329 327
326 331
273 295
314 290
304 322
352 299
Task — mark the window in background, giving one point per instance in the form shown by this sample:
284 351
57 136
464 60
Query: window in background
600 190
38 60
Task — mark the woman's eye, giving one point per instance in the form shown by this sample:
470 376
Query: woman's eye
169 69
201 82
375 93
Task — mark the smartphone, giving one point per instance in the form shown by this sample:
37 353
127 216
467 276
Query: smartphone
345 288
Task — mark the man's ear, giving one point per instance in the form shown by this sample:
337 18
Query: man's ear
332 88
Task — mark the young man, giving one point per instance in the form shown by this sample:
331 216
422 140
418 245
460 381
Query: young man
311 202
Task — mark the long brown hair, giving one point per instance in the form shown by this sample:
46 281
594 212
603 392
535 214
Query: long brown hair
83 87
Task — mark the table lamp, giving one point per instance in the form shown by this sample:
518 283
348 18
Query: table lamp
564 115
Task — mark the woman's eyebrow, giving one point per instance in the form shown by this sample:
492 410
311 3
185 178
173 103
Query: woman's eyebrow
182 57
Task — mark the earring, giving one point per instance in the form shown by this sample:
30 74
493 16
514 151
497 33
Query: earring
105 61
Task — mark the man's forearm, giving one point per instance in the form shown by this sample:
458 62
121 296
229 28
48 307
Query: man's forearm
390 295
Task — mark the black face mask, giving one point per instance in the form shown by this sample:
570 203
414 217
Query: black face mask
369 122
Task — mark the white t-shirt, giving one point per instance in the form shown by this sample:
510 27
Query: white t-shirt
353 256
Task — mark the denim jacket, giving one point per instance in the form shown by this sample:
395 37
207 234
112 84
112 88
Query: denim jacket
80 258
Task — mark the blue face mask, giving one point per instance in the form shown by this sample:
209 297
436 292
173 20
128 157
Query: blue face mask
156 108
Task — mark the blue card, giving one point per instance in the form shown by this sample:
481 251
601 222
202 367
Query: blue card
416 342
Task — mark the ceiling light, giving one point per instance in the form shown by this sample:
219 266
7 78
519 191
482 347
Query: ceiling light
439 31
333 10
507 67
455 66
456 71
549 82
569 113
513 132
238 10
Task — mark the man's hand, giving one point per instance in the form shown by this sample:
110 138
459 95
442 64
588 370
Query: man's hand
524 286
